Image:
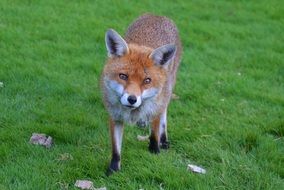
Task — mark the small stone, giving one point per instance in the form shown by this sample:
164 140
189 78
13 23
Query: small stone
142 138
196 169
41 139
48 142
84 184
1 84
222 100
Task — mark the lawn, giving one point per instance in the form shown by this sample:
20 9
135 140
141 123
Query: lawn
229 117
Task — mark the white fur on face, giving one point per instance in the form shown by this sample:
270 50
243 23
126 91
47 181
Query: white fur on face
113 94
125 102
120 96
118 88
149 93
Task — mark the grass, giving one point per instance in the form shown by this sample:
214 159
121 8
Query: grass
229 117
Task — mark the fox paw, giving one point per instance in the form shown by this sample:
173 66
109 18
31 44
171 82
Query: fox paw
165 145
153 146
154 149
110 171
113 167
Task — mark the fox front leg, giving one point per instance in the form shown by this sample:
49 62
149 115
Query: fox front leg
164 143
155 136
116 132
159 137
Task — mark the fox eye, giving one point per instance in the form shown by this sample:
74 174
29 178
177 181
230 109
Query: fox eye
147 80
123 76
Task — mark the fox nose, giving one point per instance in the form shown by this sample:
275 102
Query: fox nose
132 99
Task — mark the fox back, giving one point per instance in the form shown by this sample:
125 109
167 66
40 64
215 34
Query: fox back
154 31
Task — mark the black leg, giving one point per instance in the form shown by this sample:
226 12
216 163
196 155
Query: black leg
154 145
164 141
114 164
116 130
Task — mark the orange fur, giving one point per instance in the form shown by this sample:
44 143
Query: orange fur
138 66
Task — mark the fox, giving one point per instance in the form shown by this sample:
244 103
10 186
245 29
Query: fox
138 79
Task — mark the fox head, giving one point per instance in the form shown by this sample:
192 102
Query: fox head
133 72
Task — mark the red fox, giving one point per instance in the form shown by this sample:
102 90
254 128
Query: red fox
138 79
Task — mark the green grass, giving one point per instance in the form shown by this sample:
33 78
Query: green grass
229 118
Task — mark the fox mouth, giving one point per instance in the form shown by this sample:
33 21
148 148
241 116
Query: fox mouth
131 107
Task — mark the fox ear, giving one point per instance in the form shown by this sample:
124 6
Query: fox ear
115 44
163 55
